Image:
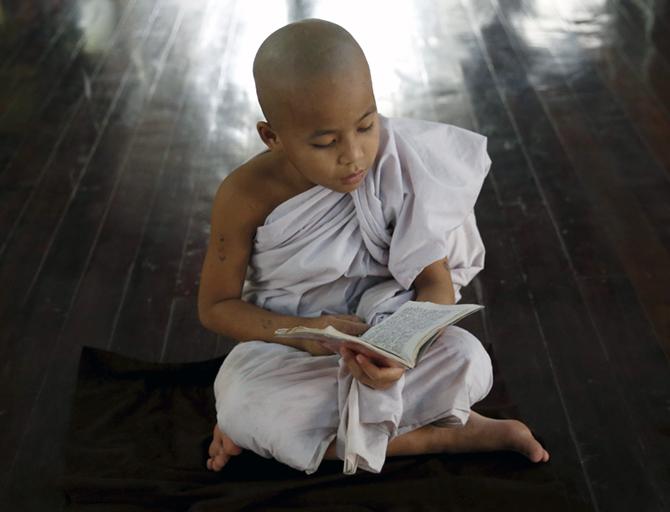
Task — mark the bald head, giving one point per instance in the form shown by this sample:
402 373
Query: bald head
298 55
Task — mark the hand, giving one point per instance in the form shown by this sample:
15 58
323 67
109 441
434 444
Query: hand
364 370
316 348
348 324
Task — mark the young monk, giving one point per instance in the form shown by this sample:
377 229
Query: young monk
344 218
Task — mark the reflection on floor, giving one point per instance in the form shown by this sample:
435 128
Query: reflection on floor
118 119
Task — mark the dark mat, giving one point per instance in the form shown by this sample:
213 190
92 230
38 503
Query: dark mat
139 434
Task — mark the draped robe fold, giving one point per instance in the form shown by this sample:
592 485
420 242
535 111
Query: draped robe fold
357 253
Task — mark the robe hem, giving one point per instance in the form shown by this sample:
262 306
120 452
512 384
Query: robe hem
319 454
460 414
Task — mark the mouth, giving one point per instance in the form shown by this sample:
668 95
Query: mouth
353 178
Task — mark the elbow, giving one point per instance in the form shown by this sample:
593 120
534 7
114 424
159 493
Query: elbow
213 318
204 315
207 313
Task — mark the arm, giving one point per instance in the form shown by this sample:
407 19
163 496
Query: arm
235 216
434 283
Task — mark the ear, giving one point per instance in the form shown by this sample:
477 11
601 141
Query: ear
268 135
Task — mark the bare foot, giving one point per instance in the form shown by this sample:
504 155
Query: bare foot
221 450
482 434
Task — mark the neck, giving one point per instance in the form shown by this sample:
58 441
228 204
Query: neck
293 179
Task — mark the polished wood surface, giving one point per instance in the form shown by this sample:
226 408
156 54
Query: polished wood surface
118 120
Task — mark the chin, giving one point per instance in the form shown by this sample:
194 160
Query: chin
347 188
355 185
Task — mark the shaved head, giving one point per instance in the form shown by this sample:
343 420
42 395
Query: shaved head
292 59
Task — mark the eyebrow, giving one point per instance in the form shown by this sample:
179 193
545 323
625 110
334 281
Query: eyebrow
319 133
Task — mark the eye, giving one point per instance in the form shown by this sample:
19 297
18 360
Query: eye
324 146
367 128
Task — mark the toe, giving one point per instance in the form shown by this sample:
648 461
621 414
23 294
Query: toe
229 447
216 446
219 462
530 446
539 454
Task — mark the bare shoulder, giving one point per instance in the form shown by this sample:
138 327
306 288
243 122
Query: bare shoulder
250 192
242 202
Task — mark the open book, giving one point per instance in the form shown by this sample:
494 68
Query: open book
400 338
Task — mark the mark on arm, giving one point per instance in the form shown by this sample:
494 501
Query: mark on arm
266 323
220 249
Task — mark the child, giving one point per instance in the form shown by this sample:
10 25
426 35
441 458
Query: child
344 218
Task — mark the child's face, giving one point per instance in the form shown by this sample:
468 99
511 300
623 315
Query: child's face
332 132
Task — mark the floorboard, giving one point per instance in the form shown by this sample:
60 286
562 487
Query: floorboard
119 119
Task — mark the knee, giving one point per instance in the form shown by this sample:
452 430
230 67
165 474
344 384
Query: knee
475 362
229 397
472 351
232 386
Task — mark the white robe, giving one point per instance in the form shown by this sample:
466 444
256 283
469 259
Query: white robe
341 253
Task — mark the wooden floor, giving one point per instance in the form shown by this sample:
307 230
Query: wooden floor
118 119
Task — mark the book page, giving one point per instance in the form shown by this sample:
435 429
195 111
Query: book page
334 340
394 333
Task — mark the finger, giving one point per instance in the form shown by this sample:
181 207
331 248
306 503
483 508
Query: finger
354 368
351 363
367 366
381 374
359 374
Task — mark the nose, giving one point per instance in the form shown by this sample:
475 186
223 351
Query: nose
351 152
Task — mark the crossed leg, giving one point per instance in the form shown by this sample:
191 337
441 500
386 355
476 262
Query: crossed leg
480 434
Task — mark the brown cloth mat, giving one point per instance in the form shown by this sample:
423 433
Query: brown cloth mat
139 434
